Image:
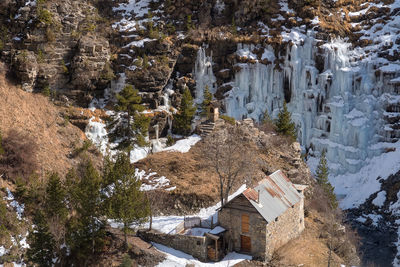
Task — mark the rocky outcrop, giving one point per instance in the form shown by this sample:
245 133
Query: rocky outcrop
64 46
90 61
25 68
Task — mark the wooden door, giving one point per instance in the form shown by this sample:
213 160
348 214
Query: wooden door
245 223
245 243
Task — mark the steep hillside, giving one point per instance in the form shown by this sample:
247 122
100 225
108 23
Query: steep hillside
33 116
335 63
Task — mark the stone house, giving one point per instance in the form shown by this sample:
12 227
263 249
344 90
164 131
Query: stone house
264 218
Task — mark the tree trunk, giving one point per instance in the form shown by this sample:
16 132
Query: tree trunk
151 219
126 235
221 191
330 252
129 133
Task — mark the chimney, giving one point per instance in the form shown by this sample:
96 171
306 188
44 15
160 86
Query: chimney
258 196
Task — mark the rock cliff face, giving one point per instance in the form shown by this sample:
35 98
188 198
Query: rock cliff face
252 55
57 44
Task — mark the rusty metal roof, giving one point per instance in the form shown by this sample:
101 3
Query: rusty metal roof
273 195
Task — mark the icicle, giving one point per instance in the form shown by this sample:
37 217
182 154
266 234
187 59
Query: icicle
204 75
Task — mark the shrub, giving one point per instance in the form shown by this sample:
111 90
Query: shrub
40 56
189 23
64 67
170 140
50 35
107 73
228 119
85 147
46 91
171 28
18 159
126 261
45 16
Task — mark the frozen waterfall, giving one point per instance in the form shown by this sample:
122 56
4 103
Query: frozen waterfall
338 101
204 75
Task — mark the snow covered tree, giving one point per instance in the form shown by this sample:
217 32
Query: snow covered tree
126 203
284 123
322 179
205 105
41 242
121 127
183 119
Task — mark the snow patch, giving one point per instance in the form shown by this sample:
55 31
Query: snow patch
184 145
179 258
380 199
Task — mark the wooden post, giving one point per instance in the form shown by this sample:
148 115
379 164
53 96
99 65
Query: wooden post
216 250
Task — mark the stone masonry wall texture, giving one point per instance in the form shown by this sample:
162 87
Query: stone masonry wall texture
230 219
193 245
287 227
265 237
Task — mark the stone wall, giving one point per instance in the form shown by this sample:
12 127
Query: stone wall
231 219
193 245
286 227
265 237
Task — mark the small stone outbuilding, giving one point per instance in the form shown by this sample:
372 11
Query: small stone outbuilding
262 219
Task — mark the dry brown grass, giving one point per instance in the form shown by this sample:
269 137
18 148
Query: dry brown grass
308 250
35 116
18 159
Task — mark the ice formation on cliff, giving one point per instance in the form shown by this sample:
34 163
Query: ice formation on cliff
338 101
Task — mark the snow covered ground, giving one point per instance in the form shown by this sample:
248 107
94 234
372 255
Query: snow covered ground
354 188
97 133
15 264
179 258
167 224
184 145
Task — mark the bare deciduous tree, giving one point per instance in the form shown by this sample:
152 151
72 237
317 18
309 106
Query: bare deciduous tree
230 154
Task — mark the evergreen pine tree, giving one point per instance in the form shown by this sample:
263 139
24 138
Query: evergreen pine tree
121 129
141 128
284 123
205 105
183 119
126 204
55 205
3 219
126 261
322 179
86 228
41 242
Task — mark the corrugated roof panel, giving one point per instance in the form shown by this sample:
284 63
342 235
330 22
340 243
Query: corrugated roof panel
277 194
251 194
